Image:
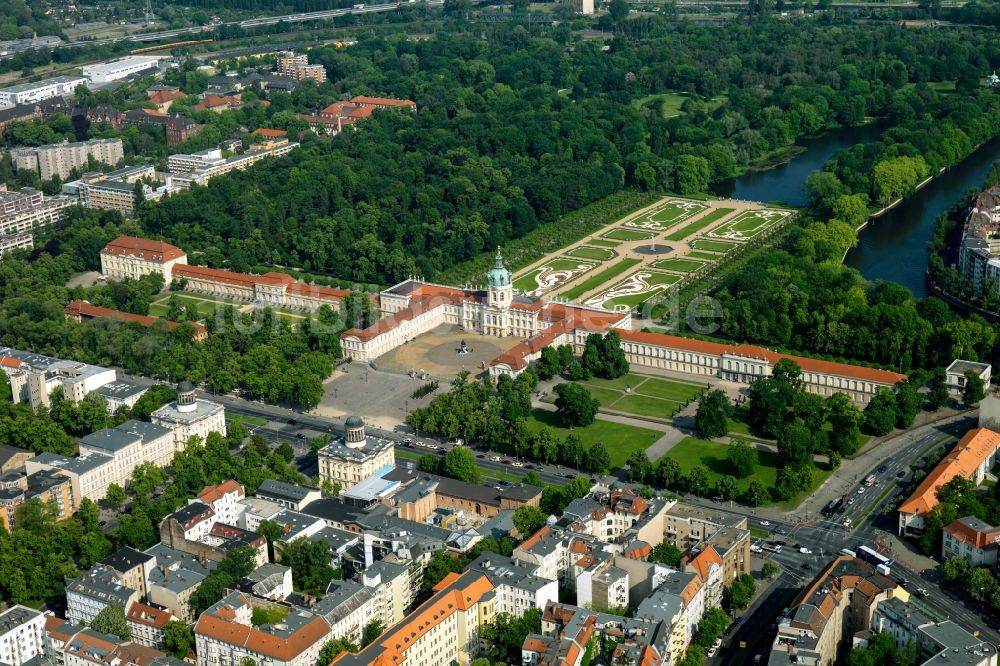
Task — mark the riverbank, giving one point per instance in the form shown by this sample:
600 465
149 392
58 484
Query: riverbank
893 204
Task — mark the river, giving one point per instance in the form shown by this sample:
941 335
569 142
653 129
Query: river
894 245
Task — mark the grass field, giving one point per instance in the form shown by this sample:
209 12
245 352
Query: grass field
596 281
667 215
712 245
600 242
204 306
248 421
595 253
691 452
707 256
627 234
551 274
748 224
634 290
672 103
699 224
678 264
619 439
651 397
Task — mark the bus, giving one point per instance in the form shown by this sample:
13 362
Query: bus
880 562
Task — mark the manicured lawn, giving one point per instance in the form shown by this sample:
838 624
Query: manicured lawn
699 224
252 420
596 253
672 103
619 439
627 234
749 223
603 243
712 245
677 209
596 281
679 264
644 405
205 307
707 256
631 380
691 452
670 390
606 396
759 533
634 290
551 274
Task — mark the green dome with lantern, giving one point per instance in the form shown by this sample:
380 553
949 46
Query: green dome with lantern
498 276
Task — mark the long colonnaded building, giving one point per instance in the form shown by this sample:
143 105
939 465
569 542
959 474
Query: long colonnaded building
130 257
414 307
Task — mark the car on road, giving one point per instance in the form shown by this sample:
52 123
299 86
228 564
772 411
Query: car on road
804 550
291 421
861 490
711 652
480 455
505 461
779 530
922 591
765 523
718 498
299 435
565 475
901 473
882 469
495 459
850 501
518 464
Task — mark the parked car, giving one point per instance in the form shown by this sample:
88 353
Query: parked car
711 651
901 473
765 523
882 469
518 464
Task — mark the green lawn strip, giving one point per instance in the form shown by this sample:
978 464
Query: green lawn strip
678 264
712 245
759 533
606 396
527 281
619 439
708 256
668 213
595 253
691 452
631 380
600 242
700 224
628 234
487 473
595 281
669 390
633 301
644 405
252 420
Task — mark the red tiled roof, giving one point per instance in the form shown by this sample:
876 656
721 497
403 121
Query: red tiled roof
212 494
270 133
261 642
383 101
703 561
317 291
8 362
83 309
214 101
163 96
751 351
148 615
143 248
975 447
980 539
215 275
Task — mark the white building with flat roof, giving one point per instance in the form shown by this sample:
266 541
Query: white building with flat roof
106 72
59 159
28 93
22 635
188 416
24 211
33 377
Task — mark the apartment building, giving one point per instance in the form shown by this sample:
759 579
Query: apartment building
171 587
297 67
133 568
95 590
938 641
190 417
121 394
117 190
28 93
48 486
197 530
567 631
286 494
24 211
59 159
129 445
443 630
131 257
392 593
693 528
346 607
224 636
147 622
972 539
224 499
33 377
829 611
207 164
973 456
679 604
90 474
22 635
106 72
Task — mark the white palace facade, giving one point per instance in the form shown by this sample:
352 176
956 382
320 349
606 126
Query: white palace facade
414 307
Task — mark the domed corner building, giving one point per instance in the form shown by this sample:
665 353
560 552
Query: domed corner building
353 458
188 415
